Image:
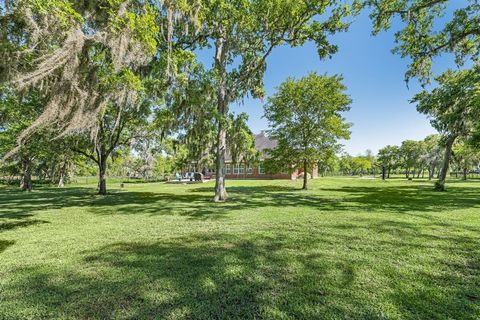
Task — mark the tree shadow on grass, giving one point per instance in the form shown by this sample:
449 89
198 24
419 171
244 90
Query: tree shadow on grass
195 203
10 225
220 276
4 244
16 204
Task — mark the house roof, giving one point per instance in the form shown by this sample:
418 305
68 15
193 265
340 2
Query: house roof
262 142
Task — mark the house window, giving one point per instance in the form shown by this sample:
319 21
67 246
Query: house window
241 169
235 169
249 170
261 169
228 169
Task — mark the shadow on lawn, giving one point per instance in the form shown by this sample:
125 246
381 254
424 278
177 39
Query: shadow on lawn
4 244
195 203
220 276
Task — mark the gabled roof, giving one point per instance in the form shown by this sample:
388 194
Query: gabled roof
262 142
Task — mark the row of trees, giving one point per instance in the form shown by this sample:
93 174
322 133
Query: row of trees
413 159
97 77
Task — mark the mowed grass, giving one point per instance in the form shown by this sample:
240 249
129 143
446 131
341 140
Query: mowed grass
349 248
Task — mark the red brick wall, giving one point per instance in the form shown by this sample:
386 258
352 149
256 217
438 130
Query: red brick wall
257 175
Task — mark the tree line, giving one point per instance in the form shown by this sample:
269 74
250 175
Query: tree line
94 80
411 159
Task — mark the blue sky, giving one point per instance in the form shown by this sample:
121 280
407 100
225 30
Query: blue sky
380 112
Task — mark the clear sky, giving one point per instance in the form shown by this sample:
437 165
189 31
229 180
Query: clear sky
380 112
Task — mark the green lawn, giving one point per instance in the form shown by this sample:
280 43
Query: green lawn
347 248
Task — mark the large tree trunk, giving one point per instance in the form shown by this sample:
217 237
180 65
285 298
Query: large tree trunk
102 180
222 107
26 181
305 175
220 190
446 162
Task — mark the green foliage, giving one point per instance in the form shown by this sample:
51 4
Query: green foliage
241 141
454 105
426 33
306 120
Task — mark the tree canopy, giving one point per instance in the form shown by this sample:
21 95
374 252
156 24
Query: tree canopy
306 119
425 35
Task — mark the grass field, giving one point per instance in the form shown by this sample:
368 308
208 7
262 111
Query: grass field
347 248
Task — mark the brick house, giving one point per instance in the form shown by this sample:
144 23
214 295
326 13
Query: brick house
262 143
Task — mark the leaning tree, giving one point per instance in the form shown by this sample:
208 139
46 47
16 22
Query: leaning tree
454 107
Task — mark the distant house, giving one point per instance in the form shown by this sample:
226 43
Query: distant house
242 171
262 144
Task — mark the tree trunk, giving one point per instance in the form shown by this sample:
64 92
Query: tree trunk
388 173
102 171
26 181
446 162
63 172
222 108
220 190
305 175
384 172
465 172
61 179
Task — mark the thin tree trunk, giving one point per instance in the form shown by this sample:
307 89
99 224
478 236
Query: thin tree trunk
222 107
446 162
384 172
305 175
61 180
465 172
102 171
388 173
26 182
63 171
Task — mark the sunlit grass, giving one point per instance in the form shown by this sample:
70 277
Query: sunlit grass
347 248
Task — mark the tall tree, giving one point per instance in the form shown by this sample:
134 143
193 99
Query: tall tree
192 114
244 33
241 141
388 160
305 117
117 127
454 108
